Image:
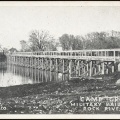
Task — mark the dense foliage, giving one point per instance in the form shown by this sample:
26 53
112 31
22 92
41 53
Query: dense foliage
94 40
43 41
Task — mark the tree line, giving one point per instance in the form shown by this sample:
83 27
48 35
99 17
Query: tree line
43 41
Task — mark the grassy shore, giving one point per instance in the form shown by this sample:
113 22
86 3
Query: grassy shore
55 97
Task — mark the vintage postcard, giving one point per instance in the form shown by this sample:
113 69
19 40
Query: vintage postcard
60 59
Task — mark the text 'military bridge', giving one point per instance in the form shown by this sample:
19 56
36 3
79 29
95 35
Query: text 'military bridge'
76 63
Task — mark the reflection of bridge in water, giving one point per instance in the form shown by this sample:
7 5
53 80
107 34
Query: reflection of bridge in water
77 63
11 75
31 75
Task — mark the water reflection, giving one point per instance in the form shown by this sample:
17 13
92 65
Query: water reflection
11 75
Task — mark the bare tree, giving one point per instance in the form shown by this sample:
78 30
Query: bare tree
40 40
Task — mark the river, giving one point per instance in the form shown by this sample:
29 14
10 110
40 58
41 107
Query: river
11 75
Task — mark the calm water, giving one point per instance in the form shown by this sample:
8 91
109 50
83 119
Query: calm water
11 75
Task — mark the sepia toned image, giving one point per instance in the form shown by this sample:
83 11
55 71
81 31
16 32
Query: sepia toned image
59 59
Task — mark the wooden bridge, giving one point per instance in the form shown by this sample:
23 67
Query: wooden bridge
77 63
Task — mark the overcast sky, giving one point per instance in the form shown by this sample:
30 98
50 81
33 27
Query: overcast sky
17 22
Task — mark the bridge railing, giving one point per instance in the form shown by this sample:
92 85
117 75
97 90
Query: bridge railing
108 54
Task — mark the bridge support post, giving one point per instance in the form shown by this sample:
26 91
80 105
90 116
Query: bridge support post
63 69
38 63
42 64
30 62
113 68
87 68
17 61
117 66
77 68
20 61
95 68
25 61
63 66
90 68
107 70
103 68
50 64
84 68
35 62
70 65
99 68
56 65
50 68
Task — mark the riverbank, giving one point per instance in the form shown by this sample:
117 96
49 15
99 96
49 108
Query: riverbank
56 97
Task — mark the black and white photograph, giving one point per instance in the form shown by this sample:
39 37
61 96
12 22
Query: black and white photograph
60 58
